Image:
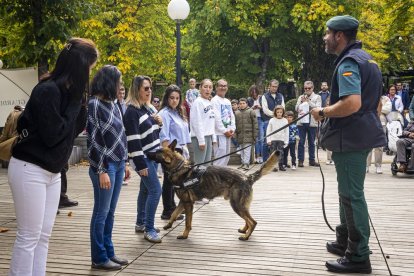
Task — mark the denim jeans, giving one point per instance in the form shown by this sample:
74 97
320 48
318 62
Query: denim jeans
265 148
102 221
306 130
258 146
292 149
148 197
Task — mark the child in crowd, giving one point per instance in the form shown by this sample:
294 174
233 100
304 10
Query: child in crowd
246 130
235 107
293 133
279 140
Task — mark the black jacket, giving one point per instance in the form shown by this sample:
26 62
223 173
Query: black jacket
52 120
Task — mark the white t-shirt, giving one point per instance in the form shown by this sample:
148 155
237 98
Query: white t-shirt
202 119
222 107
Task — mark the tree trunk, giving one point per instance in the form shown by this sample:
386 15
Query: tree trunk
264 62
37 16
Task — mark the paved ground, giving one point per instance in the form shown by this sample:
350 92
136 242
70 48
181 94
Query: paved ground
289 239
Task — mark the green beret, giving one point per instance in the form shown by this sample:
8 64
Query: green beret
342 23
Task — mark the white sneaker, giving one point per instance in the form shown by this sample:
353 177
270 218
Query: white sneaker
379 170
238 148
367 170
293 167
260 160
330 162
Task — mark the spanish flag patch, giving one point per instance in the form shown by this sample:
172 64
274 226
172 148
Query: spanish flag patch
347 74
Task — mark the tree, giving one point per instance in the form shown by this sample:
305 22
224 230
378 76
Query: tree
136 36
34 31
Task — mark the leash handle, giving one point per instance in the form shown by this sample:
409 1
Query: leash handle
277 130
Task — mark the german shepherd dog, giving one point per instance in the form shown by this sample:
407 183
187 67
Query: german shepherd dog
215 181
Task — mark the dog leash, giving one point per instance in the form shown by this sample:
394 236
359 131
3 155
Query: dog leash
260 140
323 179
276 131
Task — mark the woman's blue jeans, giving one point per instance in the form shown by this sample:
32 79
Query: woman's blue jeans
102 221
258 146
148 197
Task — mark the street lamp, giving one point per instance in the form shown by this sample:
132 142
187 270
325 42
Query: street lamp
178 10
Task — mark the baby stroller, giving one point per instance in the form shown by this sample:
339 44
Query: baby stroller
394 130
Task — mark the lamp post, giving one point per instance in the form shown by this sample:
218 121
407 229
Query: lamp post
178 10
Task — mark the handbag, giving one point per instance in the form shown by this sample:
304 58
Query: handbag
6 148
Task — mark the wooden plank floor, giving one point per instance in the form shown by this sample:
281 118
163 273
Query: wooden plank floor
289 239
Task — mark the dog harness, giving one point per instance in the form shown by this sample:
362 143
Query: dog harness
193 178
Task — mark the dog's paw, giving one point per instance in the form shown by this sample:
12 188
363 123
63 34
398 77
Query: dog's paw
243 238
181 237
167 226
241 231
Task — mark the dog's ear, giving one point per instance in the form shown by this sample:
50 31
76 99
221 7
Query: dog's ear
173 144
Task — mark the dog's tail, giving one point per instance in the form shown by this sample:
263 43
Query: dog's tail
265 168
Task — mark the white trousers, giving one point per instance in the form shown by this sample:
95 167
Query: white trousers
36 198
245 154
222 147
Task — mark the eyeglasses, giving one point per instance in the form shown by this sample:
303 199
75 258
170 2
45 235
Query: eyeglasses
308 88
147 88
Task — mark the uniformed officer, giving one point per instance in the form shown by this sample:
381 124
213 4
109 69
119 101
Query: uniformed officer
351 129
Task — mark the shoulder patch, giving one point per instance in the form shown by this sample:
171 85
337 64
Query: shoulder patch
347 74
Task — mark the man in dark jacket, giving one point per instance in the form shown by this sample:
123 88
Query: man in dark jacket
407 139
355 93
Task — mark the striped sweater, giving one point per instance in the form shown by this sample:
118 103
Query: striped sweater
142 134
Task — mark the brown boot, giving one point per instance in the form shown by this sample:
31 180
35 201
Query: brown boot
402 168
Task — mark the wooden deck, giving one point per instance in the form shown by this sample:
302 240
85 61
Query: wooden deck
289 239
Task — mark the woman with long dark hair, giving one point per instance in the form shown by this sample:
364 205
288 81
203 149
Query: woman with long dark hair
142 127
107 152
175 127
48 128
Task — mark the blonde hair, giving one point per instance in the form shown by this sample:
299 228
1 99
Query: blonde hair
133 95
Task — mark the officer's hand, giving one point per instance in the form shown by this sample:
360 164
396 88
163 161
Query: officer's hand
315 114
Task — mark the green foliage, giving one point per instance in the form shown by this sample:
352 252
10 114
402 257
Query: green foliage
32 32
290 105
244 41
136 36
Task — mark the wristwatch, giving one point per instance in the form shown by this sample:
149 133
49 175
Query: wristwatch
321 114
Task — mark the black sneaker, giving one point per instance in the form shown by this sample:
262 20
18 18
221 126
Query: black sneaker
344 265
335 248
300 164
282 169
313 164
109 265
67 203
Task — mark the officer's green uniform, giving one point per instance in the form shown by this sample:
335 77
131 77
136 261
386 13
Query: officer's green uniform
351 139
350 169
